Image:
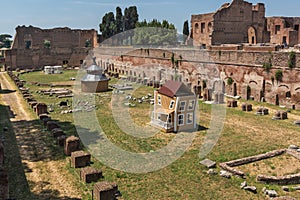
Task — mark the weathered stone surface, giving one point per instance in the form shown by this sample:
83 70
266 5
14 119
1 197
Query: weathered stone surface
72 144
271 193
228 166
41 108
57 132
294 147
243 184
281 180
43 116
251 189
61 140
280 115
66 45
80 159
212 172
225 174
105 191
46 120
52 125
90 174
262 111
208 163
232 103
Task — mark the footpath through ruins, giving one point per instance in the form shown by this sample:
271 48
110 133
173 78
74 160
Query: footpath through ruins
46 174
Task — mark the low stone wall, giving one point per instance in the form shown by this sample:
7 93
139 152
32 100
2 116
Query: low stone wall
281 180
230 164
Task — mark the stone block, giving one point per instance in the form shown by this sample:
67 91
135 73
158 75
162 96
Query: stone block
208 163
46 120
105 191
41 108
232 103
90 174
43 116
80 159
52 125
61 140
72 144
57 132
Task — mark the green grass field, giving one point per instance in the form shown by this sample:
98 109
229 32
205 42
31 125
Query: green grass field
244 134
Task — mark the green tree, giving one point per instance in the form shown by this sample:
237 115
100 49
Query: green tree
47 44
278 75
131 18
108 25
119 20
185 30
292 60
5 41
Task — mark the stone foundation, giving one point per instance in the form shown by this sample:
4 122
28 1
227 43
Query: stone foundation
80 159
90 174
105 191
72 144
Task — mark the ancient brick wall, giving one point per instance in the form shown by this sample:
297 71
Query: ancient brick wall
65 46
284 30
231 24
245 68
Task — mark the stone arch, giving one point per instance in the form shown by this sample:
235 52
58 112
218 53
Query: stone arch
252 35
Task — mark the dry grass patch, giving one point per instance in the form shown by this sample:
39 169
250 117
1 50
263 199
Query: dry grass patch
277 166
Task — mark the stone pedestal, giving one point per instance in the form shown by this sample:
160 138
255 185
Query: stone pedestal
246 107
61 140
52 125
80 159
232 103
90 174
72 144
57 132
41 108
105 191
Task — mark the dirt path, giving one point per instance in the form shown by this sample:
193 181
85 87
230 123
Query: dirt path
45 169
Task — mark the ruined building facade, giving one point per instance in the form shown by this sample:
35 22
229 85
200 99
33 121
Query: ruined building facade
284 30
235 22
34 47
242 22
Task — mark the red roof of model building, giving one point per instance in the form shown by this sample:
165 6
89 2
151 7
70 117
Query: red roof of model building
175 89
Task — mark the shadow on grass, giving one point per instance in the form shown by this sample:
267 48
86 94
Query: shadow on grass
30 134
6 91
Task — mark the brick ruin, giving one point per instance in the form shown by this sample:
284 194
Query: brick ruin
34 47
242 22
201 69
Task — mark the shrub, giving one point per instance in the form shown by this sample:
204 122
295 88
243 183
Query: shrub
278 75
229 81
292 60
